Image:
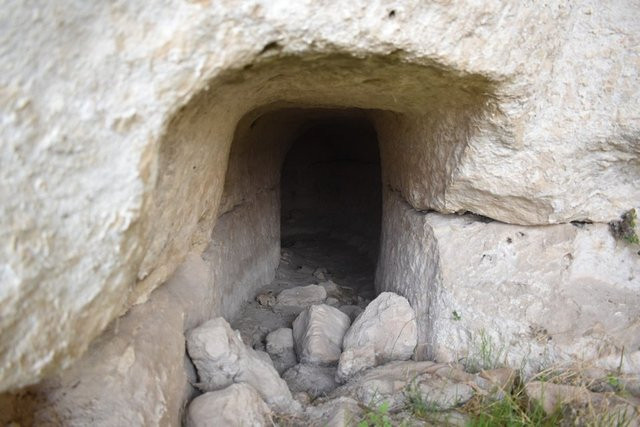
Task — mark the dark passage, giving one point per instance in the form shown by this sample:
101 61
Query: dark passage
331 207
330 185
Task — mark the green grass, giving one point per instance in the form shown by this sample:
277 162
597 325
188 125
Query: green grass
512 411
484 354
376 417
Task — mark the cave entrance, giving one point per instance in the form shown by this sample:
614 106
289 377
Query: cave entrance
331 200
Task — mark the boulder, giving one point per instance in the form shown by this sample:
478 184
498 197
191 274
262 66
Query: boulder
318 333
236 405
280 348
389 324
222 359
314 380
355 360
298 298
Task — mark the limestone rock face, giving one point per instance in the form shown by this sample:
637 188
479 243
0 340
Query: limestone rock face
236 405
222 359
534 295
123 379
389 325
115 148
318 332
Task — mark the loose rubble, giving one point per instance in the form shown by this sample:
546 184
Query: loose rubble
222 359
334 358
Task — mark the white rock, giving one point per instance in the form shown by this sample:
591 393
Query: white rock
389 324
534 294
222 359
318 332
314 380
300 297
355 360
280 348
236 405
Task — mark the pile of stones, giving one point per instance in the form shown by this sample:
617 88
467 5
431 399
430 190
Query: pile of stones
326 369
337 362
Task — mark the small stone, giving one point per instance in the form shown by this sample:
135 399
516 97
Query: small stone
280 348
333 290
389 324
266 299
333 302
298 298
498 382
353 311
320 273
353 361
302 397
238 404
318 332
312 379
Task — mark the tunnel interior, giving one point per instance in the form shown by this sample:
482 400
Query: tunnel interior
331 199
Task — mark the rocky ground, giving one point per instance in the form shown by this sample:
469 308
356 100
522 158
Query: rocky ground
318 347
